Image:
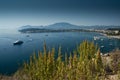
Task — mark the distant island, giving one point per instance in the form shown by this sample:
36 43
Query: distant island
67 27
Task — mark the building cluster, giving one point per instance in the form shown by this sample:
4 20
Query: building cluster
112 32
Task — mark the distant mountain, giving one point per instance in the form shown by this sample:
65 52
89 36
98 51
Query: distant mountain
113 29
62 27
29 26
56 26
101 27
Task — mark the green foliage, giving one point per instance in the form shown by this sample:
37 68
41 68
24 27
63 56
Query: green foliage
83 64
90 60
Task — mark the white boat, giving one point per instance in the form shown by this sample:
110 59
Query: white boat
101 39
18 42
30 39
96 38
102 46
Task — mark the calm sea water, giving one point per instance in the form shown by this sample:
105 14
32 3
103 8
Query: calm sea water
11 57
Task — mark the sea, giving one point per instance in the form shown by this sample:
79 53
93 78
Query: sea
13 56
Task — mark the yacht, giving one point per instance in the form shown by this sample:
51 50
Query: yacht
18 42
102 46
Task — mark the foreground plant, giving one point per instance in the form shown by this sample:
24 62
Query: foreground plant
83 64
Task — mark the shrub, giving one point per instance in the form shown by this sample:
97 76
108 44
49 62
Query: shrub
83 64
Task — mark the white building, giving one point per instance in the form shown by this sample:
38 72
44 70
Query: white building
116 32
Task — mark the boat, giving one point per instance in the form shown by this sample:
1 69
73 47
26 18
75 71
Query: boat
46 35
96 38
102 46
30 39
18 42
101 39
27 35
111 44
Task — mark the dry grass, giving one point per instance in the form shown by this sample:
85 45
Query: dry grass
7 78
112 65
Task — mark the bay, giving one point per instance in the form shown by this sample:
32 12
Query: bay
12 57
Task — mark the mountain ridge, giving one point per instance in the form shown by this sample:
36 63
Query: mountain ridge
61 25
66 26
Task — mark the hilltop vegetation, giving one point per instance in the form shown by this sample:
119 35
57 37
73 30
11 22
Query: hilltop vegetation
79 65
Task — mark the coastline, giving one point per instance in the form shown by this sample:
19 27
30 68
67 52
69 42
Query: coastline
110 36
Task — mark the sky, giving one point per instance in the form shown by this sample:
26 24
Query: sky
16 13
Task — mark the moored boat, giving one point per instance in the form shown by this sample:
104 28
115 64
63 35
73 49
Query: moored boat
18 42
96 37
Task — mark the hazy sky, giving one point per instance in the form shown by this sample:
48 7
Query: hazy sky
15 13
